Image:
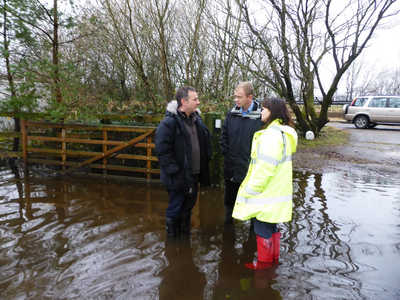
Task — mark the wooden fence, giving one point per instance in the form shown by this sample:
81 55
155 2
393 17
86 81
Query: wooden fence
106 150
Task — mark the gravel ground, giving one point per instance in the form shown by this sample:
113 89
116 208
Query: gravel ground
373 152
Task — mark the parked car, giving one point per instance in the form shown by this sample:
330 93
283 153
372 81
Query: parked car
369 111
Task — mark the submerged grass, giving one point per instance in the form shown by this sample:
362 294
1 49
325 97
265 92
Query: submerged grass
329 136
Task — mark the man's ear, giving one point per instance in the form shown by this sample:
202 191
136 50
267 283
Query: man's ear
251 97
183 101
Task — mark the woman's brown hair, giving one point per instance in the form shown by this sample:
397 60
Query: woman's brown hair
278 110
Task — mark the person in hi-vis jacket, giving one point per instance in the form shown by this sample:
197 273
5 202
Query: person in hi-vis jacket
266 192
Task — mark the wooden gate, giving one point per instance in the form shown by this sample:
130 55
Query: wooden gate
106 150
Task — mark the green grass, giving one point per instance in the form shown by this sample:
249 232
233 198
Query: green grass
329 136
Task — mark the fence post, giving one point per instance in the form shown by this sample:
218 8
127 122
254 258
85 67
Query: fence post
213 123
63 147
105 149
24 143
149 139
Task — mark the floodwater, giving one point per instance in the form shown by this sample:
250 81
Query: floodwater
90 238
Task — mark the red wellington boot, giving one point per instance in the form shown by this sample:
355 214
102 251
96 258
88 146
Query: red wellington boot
276 241
265 253
265 249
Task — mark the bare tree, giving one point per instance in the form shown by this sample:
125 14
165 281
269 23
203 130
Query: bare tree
149 34
9 73
393 82
224 47
298 36
121 28
192 43
346 48
352 79
157 19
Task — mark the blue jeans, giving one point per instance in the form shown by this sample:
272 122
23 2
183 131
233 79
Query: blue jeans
180 202
264 229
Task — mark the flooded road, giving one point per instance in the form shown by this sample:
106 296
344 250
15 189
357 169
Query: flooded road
89 238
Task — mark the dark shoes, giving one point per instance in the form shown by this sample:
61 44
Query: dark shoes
172 225
182 224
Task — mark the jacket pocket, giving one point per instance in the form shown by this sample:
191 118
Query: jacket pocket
178 181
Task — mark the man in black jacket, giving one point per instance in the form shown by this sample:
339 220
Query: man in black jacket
240 124
183 146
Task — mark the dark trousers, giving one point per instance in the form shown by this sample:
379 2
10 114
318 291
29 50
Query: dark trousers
180 202
264 229
231 190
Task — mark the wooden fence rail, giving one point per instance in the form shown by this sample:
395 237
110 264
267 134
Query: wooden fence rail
108 150
72 147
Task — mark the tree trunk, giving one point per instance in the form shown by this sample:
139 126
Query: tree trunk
17 126
57 89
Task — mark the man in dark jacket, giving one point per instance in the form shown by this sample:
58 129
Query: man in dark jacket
183 146
240 124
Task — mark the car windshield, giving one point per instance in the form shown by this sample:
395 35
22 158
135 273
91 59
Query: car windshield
359 102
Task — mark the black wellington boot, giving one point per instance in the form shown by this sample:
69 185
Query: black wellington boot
171 224
185 222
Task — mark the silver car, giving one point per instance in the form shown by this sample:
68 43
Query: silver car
369 111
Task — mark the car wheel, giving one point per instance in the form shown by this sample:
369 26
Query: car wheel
361 122
373 125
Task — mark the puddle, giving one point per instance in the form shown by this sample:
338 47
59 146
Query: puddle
86 238
397 153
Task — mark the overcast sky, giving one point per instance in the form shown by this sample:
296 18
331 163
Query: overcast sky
385 48
382 54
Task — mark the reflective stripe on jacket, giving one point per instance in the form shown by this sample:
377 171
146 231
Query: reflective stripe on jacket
266 192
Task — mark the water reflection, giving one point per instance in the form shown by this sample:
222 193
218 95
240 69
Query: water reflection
74 238
181 277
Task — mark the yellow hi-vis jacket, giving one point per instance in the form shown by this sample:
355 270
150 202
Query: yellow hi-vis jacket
267 190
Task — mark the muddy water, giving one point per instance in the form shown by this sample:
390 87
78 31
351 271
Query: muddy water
86 238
